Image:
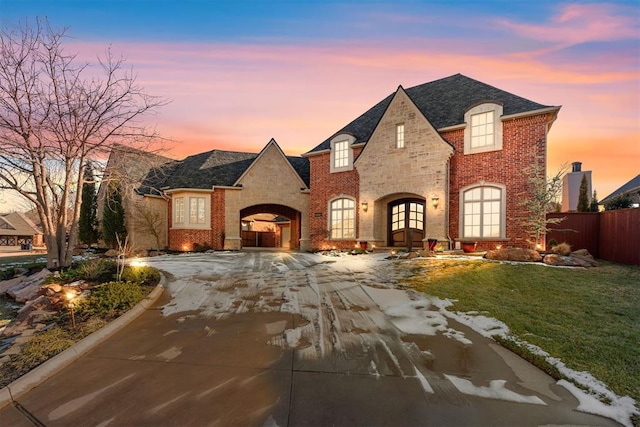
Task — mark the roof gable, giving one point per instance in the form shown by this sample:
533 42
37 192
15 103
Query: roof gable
400 95
443 102
16 224
272 145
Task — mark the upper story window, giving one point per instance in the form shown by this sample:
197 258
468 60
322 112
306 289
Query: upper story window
400 135
483 212
342 219
342 153
484 128
179 217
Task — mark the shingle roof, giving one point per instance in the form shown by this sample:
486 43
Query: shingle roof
213 168
443 102
16 224
633 184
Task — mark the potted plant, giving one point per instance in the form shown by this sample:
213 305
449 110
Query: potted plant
468 247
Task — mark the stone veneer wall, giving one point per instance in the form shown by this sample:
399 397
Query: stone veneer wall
270 181
524 140
388 173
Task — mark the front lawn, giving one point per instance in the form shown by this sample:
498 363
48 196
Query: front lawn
588 318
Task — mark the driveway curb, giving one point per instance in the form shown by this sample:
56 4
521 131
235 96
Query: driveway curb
38 375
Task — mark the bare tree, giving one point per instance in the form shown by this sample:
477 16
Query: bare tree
149 220
55 115
542 196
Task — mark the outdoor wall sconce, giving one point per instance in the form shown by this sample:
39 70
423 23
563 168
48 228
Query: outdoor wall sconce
435 200
365 206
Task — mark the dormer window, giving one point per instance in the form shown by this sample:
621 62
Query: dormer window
484 128
400 135
341 153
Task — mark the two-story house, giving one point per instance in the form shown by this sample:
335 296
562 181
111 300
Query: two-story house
447 161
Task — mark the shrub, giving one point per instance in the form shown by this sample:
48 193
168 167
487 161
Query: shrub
111 299
552 243
7 273
96 270
562 249
201 247
148 276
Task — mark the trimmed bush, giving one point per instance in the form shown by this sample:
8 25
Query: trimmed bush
147 276
111 299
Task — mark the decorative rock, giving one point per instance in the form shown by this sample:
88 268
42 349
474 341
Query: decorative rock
5 285
514 254
111 253
569 261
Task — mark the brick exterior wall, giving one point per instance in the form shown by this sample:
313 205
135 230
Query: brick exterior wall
185 239
324 187
524 140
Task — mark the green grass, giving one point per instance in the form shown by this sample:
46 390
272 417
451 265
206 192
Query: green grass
588 318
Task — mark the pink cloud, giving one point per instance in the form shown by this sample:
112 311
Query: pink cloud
580 23
237 97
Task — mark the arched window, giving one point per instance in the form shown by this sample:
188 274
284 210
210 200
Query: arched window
341 153
482 212
342 219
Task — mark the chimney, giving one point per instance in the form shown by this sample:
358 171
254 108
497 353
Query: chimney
576 166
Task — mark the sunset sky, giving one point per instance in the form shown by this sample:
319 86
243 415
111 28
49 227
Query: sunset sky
241 72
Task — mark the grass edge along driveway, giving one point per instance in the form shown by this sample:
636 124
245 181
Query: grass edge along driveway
586 319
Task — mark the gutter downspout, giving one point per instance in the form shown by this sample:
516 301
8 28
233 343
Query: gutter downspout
449 202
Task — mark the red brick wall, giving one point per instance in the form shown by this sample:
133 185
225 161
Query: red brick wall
325 186
186 239
524 139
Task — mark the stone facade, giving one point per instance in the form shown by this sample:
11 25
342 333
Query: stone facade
270 181
388 173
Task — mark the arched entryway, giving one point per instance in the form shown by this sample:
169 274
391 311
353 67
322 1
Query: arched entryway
270 226
405 222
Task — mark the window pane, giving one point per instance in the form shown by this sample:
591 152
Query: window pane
482 218
342 219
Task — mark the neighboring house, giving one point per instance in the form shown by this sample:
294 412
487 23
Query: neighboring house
630 189
18 232
446 160
571 183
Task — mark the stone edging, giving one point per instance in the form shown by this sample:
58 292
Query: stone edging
41 373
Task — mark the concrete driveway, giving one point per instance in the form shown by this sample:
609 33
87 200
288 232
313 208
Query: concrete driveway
295 339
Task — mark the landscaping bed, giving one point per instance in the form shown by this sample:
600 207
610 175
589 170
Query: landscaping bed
70 305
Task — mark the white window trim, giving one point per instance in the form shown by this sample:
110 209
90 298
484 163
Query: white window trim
330 217
503 210
178 219
497 128
186 223
341 138
400 143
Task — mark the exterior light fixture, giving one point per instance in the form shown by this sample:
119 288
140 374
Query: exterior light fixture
365 206
435 200
70 296
498 246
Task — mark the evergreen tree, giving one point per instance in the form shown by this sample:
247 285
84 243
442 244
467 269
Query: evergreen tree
88 221
593 206
583 196
113 217
619 202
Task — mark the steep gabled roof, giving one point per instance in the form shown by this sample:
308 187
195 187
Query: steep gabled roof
632 185
443 102
206 170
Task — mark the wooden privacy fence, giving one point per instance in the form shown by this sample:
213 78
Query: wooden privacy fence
610 235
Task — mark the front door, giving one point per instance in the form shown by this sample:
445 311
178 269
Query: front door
406 223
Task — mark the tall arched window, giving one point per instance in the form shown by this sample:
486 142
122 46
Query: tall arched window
483 212
342 218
